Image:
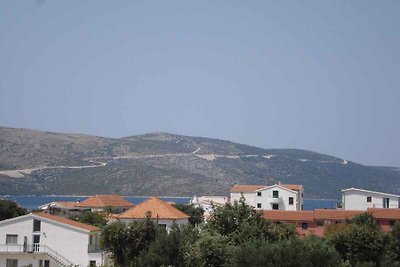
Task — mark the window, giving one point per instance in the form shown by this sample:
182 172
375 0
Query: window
320 223
259 194
304 226
259 205
163 226
11 239
36 225
11 263
302 207
392 223
90 239
92 264
290 200
275 194
302 195
275 206
369 199
44 263
385 202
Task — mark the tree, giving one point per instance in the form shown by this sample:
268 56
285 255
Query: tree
196 214
210 250
126 242
358 244
240 223
168 248
10 209
295 252
92 218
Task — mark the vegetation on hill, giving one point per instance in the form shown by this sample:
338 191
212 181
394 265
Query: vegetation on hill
166 164
10 209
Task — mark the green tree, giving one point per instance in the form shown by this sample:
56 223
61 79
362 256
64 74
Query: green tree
10 209
358 244
168 248
294 252
210 250
240 223
113 238
92 218
367 220
126 242
196 214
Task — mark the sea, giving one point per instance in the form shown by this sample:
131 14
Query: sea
31 202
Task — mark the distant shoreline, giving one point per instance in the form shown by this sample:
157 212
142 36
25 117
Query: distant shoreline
2 196
92 195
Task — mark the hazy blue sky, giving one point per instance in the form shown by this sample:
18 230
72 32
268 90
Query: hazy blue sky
317 75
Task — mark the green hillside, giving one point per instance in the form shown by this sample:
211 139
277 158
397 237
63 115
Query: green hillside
36 162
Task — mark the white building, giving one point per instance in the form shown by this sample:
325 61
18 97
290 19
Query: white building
274 197
207 203
359 199
161 212
43 240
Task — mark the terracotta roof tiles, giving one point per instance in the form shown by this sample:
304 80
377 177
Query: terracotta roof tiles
326 214
73 223
286 215
246 188
393 214
158 208
102 201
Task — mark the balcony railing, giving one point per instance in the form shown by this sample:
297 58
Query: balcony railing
94 248
275 200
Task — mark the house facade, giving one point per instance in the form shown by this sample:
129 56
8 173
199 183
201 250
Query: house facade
274 197
360 199
161 212
42 240
315 222
208 203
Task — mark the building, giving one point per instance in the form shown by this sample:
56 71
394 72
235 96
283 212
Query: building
360 199
274 197
208 203
161 212
42 240
101 202
303 220
61 208
315 222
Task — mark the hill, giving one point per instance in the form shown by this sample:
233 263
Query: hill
37 162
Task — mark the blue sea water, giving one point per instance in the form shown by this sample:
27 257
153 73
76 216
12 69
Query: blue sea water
33 202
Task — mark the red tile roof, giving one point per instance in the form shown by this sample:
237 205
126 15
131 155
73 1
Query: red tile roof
67 204
286 215
392 214
326 214
158 208
252 188
294 187
246 188
102 201
62 220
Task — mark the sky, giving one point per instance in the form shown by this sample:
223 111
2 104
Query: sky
316 75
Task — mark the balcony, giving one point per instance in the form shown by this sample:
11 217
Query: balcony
275 200
94 248
20 248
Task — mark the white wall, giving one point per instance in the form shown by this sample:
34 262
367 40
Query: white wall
26 259
167 222
357 200
71 243
252 199
267 195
